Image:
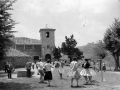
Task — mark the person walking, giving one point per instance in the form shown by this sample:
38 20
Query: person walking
28 68
74 74
9 70
48 73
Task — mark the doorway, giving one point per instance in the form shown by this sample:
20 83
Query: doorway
47 56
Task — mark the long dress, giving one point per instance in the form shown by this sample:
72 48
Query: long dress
73 70
61 69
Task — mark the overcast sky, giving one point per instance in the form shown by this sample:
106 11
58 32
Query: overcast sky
87 20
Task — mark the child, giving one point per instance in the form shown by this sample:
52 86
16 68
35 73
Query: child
61 69
74 74
87 71
48 74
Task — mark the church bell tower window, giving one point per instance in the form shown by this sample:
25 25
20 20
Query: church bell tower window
47 34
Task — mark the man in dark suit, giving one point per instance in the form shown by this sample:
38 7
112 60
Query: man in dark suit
9 69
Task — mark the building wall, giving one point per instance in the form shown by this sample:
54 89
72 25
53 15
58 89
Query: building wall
48 43
32 50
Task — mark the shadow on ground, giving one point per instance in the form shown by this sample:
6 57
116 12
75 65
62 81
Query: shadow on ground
14 86
78 87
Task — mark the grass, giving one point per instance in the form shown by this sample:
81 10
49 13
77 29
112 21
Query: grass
111 82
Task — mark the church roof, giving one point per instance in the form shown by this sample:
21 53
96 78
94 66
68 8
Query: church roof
47 29
15 53
26 41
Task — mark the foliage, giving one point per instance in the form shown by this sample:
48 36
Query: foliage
57 53
112 41
6 25
69 48
99 50
78 53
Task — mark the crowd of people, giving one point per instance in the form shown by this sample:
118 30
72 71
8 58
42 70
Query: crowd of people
45 69
77 69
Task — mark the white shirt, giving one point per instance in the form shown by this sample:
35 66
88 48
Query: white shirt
40 65
48 66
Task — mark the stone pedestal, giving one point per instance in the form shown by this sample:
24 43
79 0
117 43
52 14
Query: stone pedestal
23 73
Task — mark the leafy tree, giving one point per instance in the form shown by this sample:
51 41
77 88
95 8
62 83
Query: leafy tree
112 41
69 48
57 53
99 50
6 25
77 53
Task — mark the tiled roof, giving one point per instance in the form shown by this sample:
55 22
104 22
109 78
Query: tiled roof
24 40
15 53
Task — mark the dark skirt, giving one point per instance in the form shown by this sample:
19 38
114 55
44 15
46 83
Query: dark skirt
48 75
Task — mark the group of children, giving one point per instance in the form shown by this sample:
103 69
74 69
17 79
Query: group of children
45 70
87 72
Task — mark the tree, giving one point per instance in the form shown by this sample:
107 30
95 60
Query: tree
6 25
112 41
69 48
99 50
57 53
77 53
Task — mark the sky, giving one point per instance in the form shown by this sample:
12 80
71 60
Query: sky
87 20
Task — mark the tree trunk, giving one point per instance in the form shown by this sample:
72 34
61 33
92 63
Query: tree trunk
118 62
116 58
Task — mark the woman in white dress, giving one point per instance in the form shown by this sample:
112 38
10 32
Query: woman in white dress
61 69
87 71
91 70
74 74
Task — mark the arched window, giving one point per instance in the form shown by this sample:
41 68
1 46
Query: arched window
47 34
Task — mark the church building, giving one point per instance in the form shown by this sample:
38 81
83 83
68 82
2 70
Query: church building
32 49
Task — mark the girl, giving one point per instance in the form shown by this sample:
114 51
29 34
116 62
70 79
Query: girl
48 73
91 70
61 69
87 72
74 74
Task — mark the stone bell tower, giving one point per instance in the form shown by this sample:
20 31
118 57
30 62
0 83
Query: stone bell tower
47 42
